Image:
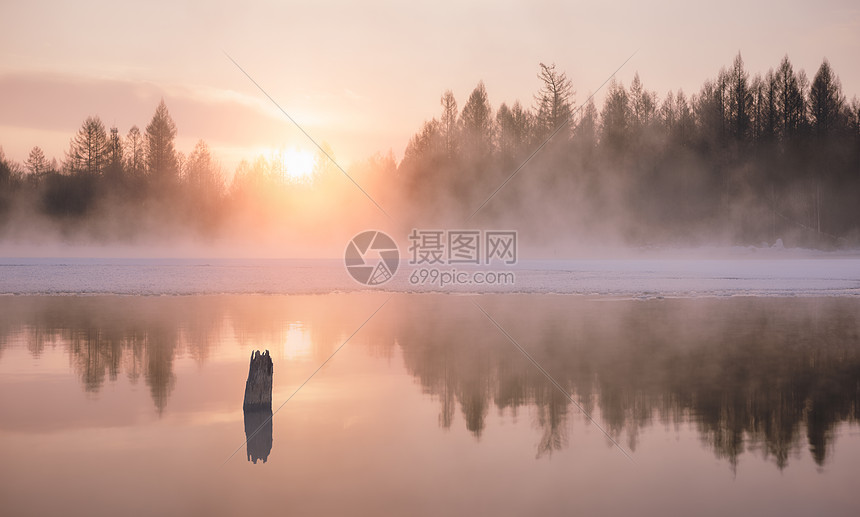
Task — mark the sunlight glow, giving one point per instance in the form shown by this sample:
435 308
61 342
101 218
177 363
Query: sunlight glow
297 342
298 164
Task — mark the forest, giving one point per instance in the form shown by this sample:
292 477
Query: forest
746 160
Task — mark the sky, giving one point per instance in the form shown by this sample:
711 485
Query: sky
363 76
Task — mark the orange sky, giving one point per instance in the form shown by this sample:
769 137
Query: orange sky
363 76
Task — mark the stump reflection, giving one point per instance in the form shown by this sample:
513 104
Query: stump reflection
258 433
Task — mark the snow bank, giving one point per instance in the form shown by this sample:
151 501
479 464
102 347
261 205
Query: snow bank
821 275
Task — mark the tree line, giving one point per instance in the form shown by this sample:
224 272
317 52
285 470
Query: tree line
746 159
106 174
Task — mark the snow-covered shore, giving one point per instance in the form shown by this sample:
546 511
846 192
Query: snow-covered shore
649 275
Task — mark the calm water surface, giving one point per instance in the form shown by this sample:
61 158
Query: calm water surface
133 405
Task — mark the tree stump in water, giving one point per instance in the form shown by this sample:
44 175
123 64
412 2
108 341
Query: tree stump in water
258 387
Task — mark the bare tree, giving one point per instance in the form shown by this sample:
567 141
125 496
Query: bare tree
789 100
88 150
135 164
160 151
826 101
586 130
514 128
477 123
739 99
615 117
449 123
553 101
643 105
37 163
115 159
202 172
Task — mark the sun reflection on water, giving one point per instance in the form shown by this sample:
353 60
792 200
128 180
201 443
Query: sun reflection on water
297 342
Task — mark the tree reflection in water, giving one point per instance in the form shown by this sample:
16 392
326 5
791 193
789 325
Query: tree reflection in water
753 374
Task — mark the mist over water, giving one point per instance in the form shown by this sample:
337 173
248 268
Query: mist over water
752 159
602 302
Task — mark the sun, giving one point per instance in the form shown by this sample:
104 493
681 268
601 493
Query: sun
298 164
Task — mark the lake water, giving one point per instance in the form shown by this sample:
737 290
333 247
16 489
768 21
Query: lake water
689 406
